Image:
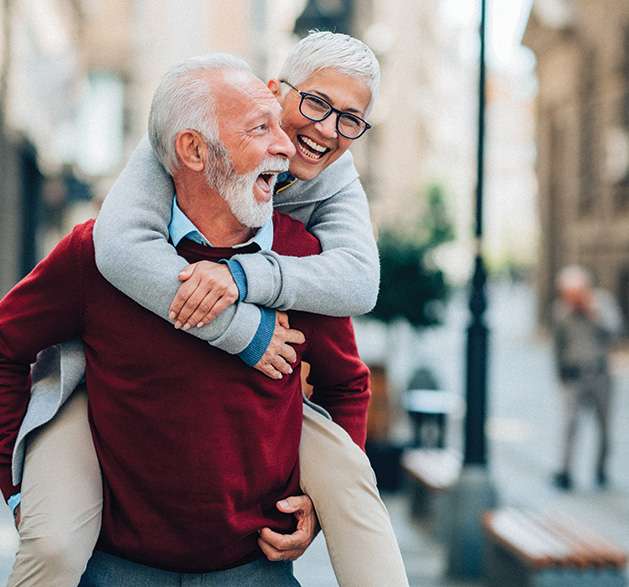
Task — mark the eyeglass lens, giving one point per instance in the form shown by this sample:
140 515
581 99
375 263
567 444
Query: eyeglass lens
317 109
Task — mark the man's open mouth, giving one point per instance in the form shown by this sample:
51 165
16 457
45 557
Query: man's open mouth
309 148
266 181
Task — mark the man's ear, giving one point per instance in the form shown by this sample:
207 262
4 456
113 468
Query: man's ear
276 87
191 149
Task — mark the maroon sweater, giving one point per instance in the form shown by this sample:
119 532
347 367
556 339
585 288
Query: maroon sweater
195 447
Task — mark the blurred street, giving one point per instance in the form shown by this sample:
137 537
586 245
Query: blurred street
523 435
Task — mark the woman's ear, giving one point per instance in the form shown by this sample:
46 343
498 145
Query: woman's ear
191 149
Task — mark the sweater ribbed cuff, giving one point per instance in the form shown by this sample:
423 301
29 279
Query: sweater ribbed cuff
257 347
239 276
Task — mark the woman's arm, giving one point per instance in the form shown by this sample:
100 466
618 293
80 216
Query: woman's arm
341 281
133 252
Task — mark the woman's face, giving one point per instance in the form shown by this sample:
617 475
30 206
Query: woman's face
318 144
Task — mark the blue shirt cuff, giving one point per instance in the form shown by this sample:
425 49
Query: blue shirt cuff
261 340
240 279
14 501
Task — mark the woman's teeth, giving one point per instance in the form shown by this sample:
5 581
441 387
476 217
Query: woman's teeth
310 148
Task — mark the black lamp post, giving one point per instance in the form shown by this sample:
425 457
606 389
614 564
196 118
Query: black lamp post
476 380
474 493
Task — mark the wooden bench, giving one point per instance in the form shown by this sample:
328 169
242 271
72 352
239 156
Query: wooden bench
530 548
431 472
429 410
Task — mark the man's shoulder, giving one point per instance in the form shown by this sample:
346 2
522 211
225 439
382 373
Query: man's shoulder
84 230
290 237
79 240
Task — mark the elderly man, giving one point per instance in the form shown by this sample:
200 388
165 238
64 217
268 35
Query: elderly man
195 448
586 321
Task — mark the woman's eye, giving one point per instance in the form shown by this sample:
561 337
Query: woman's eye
317 104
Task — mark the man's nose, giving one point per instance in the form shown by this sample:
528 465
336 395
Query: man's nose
282 145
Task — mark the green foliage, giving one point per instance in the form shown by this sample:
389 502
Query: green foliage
411 286
435 227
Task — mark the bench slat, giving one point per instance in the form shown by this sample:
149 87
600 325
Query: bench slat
437 469
586 540
551 540
516 532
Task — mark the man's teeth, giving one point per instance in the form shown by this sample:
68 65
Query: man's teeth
268 177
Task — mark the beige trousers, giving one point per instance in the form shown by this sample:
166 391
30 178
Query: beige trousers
62 501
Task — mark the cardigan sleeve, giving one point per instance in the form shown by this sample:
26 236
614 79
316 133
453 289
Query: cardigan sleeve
43 309
342 281
134 255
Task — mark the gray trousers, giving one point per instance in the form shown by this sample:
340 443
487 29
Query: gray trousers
105 570
593 391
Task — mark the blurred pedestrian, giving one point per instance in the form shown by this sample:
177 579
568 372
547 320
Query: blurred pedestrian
586 320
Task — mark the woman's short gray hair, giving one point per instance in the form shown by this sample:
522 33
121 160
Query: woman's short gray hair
342 53
184 100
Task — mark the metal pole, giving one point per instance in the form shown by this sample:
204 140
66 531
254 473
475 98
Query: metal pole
475 449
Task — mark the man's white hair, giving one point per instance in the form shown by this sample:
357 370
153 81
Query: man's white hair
184 100
574 276
342 53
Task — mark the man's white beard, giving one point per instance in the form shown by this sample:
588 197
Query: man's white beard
238 193
237 189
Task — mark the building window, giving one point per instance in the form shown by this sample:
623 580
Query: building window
588 151
94 139
622 293
621 187
625 74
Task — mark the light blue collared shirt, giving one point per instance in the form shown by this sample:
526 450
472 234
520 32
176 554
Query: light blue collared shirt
182 227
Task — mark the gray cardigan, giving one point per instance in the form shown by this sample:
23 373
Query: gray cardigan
132 252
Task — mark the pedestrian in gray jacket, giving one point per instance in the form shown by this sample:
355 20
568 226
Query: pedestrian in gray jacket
327 87
586 321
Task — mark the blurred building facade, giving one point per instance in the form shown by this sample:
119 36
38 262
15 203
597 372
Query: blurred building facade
78 77
582 51
37 73
424 131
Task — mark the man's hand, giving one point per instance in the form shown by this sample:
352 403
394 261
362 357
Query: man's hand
289 547
17 516
279 355
207 290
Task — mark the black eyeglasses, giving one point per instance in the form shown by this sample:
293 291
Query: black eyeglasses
316 109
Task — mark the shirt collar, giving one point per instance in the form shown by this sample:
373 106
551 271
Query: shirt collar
182 227
284 179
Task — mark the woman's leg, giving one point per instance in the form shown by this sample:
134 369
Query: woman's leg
61 501
337 476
